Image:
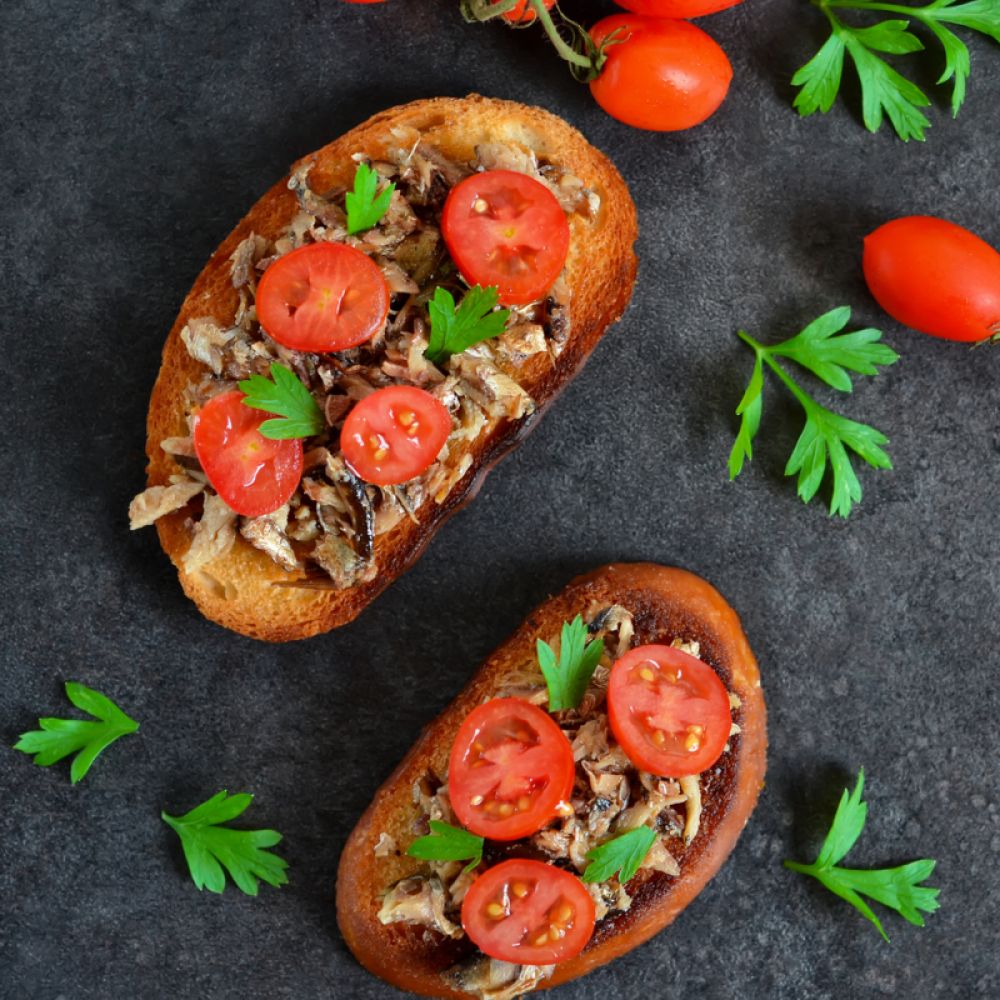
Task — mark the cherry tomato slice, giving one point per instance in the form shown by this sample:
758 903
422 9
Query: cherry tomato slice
668 710
677 8
252 473
936 277
394 434
662 75
322 297
510 767
529 913
506 229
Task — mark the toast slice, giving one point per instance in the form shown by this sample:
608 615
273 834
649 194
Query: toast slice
409 934
238 584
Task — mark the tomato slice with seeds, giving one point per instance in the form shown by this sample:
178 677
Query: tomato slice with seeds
322 297
529 913
252 473
668 710
506 229
510 767
394 434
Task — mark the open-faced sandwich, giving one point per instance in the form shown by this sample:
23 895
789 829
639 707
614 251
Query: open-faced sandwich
377 332
590 779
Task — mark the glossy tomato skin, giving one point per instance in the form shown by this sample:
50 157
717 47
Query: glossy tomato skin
664 76
936 277
668 710
677 8
523 13
322 297
510 911
510 768
506 229
251 473
395 433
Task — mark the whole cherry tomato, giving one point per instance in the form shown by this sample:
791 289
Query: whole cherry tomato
522 12
677 8
936 277
663 75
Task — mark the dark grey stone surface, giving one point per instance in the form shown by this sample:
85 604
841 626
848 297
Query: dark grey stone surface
135 134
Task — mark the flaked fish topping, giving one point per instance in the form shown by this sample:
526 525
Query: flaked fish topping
490 979
334 540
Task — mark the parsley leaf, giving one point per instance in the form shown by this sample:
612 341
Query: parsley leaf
884 92
567 681
59 738
364 208
448 843
897 888
289 398
210 847
829 355
453 330
623 854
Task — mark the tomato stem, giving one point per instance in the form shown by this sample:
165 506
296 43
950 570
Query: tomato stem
569 54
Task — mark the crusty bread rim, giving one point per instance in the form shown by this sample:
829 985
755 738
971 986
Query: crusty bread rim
666 603
236 590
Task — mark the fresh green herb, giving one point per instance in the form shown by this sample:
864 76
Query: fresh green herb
289 398
897 888
624 854
567 680
883 90
59 738
364 207
828 354
453 330
448 843
210 847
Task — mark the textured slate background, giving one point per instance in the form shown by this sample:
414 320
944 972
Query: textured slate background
135 134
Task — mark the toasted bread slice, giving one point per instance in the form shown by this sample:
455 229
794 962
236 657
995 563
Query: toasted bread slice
238 589
666 605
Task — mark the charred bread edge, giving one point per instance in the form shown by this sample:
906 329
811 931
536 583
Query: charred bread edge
678 602
600 271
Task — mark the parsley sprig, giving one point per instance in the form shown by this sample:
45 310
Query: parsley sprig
623 854
210 847
448 843
884 92
289 398
454 329
829 355
568 678
58 738
364 206
897 888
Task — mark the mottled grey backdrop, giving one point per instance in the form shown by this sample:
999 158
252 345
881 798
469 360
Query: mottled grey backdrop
135 135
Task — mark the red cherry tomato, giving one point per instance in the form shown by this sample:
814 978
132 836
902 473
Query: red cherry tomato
677 8
529 913
322 297
523 13
510 767
664 75
935 277
394 434
668 710
506 229
252 473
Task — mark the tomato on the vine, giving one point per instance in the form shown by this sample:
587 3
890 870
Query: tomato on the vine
529 913
253 474
523 12
668 710
936 277
677 8
661 75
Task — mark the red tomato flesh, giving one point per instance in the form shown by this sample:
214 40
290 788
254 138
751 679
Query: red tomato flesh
322 297
668 710
677 8
529 913
936 277
510 767
506 229
664 75
394 434
251 473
